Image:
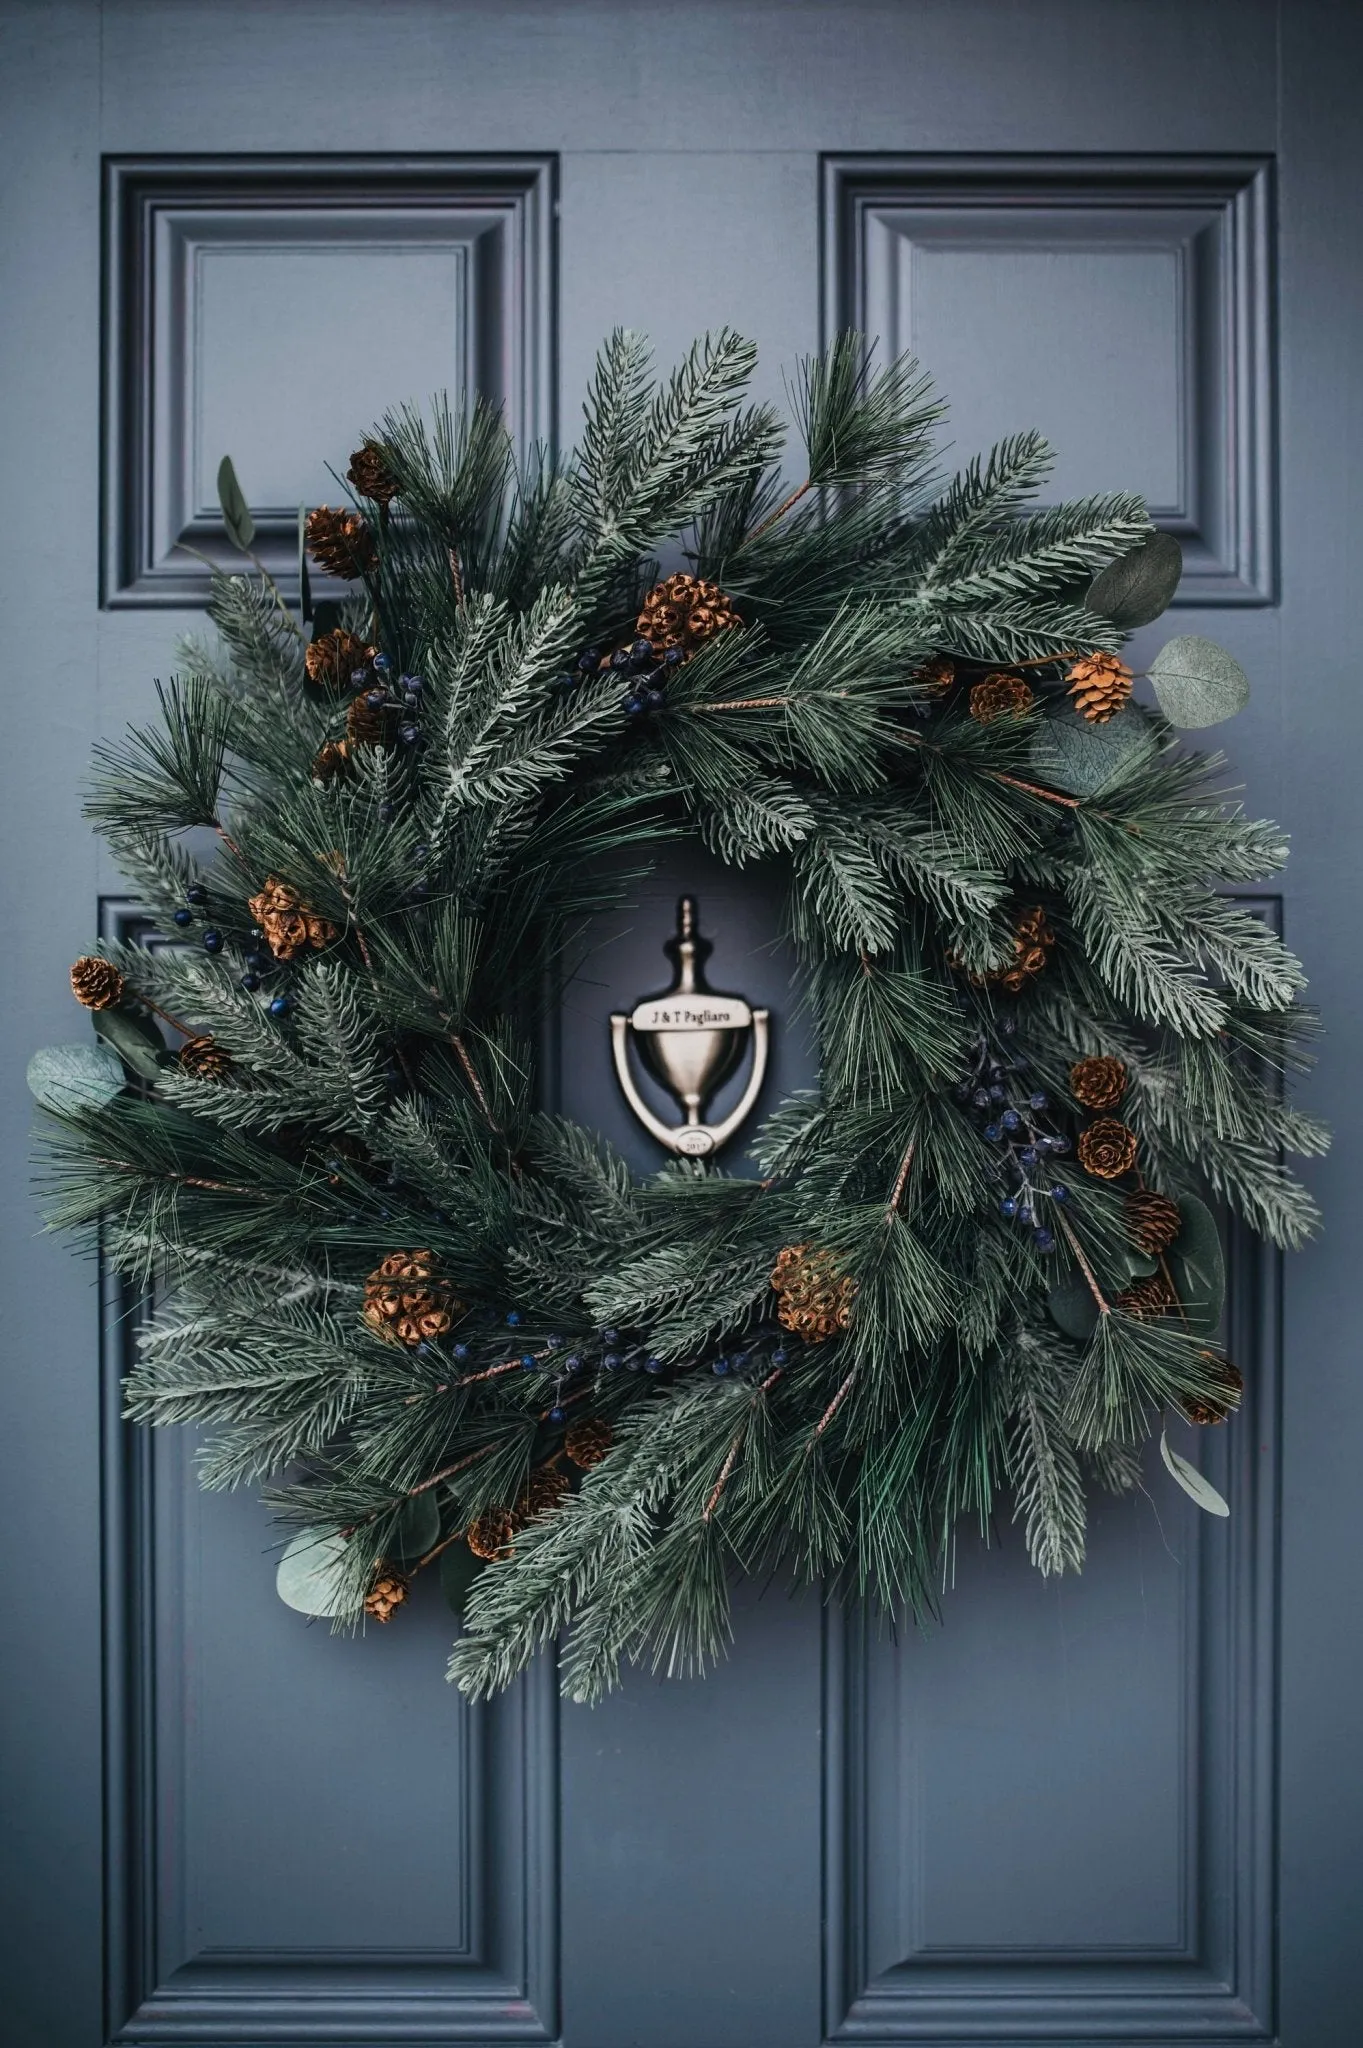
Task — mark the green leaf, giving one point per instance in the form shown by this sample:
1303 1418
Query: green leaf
418 1528
1139 585
1197 682
1073 1307
311 1577
135 1039
1070 753
67 1078
1190 1479
1198 1267
236 513
458 1570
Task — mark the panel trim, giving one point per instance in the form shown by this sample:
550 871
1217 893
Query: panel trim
502 1985
1228 521
145 203
1218 1986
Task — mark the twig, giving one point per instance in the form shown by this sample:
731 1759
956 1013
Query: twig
448 1471
457 578
1104 1306
901 1178
731 1459
742 704
831 1410
1050 796
471 1075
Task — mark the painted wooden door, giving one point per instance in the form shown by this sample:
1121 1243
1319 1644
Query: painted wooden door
1120 1808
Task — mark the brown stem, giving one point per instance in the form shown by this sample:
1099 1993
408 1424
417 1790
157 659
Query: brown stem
448 1471
902 1177
471 1076
731 1457
1104 1306
1050 796
831 1410
457 578
742 704
785 506
434 1552
165 1016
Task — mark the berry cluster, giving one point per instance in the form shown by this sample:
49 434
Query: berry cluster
392 701
638 663
1010 1115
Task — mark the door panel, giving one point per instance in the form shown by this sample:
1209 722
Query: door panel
1120 1807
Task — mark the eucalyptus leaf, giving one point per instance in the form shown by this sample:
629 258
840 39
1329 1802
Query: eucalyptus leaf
67 1078
1197 682
1139 585
418 1528
458 1570
1073 1307
135 1039
311 1574
1198 1267
1071 754
1190 1479
236 513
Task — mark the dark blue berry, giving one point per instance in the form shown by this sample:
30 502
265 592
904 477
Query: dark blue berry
720 1367
655 700
280 1006
673 656
412 684
1026 1213
1040 1100
610 1337
358 678
196 893
554 1343
572 1363
1060 1193
621 658
779 1355
993 1133
461 1351
183 917
558 1414
250 982
513 1320
385 813
632 705
424 1350
589 659
381 663
654 1365
612 1361
981 1098
1009 1206
997 1092
1060 1144
642 650
1010 1118
408 734
1030 1156
212 941
1043 1239
376 700
529 1361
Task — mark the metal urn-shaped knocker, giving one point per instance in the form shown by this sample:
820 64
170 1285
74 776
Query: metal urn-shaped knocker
691 1040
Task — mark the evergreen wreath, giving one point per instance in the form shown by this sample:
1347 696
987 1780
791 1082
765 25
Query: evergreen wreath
446 1324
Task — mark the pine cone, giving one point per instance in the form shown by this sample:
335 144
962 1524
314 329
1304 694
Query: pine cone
682 611
588 1440
1216 1410
544 1490
1107 1149
96 983
333 659
403 1300
936 675
1152 1221
1032 941
490 1536
1000 696
371 476
332 762
287 922
340 543
815 1299
386 1595
1148 1298
1098 1082
1100 684
371 725
205 1059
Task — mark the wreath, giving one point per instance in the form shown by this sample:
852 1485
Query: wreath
447 1327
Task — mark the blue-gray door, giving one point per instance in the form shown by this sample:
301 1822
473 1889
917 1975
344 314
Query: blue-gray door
1124 1807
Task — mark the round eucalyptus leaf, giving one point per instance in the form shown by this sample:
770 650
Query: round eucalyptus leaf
1190 1479
458 1570
1073 1307
135 1039
418 1528
1071 754
67 1078
1197 682
1198 1267
1139 585
311 1575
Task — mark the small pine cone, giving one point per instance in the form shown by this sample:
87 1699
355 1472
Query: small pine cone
815 1299
403 1299
1152 1221
682 611
205 1059
332 762
936 675
371 476
588 1440
490 1536
371 725
289 924
1146 1299
1107 1149
1032 940
1216 1410
1100 684
386 1595
1098 1082
332 660
96 983
544 1490
340 543
1000 696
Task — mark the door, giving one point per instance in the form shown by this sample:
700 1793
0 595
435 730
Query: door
1120 1807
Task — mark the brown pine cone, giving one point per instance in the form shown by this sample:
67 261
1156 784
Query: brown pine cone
544 1490
815 1299
205 1059
96 983
333 660
371 476
936 675
340 543
1146 1299
1031 944
1100 684
371 725
1152 1221
386 1595
587 1440
405 1301
288 923
1000 696
490 1536
1216 1410
1107 1149
1098 1082
332 762
682 611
